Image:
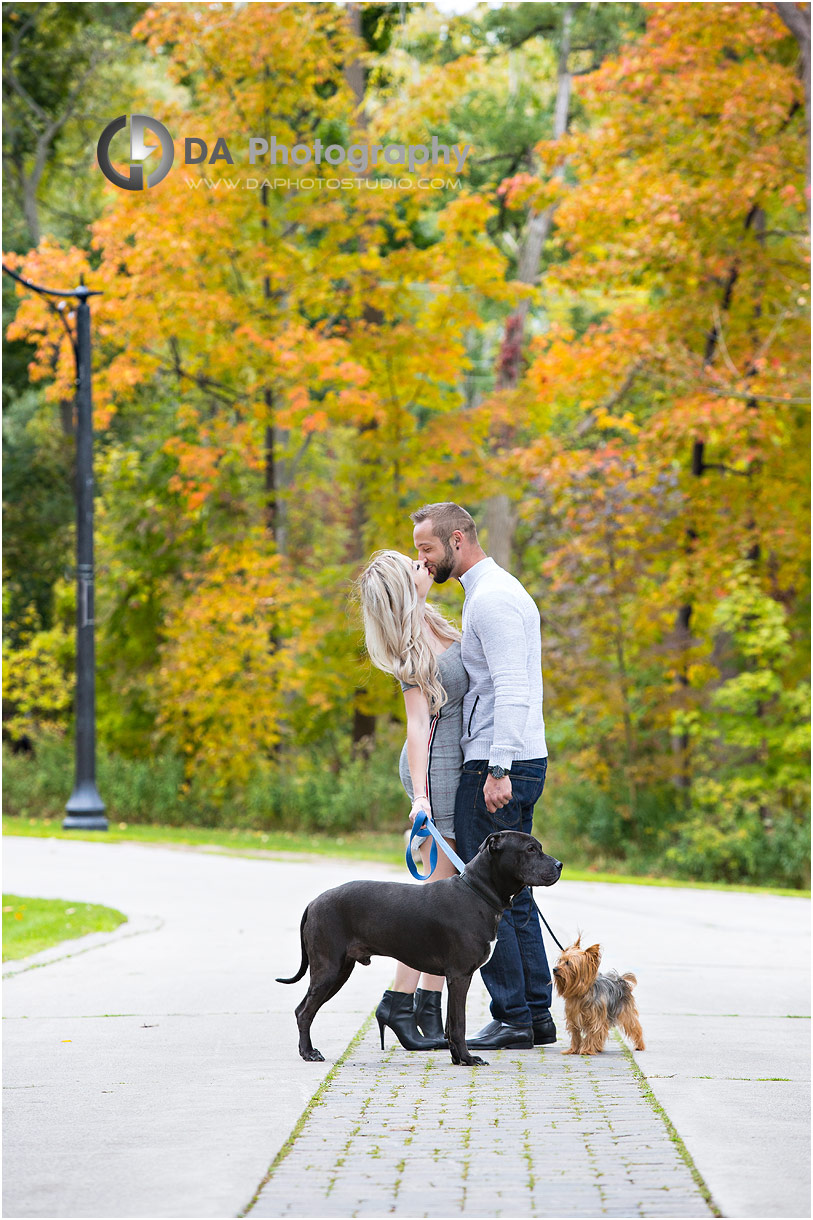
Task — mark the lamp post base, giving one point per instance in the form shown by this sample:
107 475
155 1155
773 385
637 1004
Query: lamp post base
84 821
85 809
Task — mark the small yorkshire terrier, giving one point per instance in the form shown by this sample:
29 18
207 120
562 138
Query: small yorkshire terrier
594 1002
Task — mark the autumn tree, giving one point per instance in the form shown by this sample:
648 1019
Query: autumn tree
688 221
223 320
282 372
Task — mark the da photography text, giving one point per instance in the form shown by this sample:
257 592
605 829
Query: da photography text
359 157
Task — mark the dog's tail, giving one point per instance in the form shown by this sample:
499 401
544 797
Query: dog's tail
304 965
631 979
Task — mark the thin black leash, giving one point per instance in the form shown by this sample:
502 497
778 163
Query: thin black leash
544 920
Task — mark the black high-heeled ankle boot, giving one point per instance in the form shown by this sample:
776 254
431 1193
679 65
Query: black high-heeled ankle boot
428 1015
396 1011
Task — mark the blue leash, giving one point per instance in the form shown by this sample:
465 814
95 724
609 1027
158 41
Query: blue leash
422 828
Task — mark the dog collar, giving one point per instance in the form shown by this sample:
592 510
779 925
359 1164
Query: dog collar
496 906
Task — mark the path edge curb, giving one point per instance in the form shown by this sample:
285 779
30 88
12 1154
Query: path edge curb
287 1147
674 1135
137 926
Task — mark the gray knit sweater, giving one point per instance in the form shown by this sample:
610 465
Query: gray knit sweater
502 653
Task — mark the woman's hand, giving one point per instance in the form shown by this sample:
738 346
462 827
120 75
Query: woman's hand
421 804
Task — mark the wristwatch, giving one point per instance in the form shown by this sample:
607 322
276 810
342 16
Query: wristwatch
497 772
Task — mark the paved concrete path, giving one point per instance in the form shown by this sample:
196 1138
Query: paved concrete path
154 1073
533 1134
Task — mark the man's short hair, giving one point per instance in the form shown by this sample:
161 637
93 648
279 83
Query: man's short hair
446 517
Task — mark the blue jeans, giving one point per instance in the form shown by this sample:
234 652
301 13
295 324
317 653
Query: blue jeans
518 975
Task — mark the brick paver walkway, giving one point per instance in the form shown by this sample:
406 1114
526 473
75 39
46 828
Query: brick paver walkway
536 1133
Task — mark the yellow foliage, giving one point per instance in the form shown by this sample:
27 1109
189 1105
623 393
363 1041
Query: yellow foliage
217 685
38 681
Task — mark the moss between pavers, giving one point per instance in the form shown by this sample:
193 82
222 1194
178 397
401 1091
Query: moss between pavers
465 1109
315 1101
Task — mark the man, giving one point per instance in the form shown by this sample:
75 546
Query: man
505 756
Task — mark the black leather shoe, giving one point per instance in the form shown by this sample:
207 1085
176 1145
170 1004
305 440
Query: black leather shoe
497 1034
544 1031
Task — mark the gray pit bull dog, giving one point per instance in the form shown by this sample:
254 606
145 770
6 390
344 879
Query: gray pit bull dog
448 928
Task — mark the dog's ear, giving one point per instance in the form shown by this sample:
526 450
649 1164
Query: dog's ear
594 952
494 842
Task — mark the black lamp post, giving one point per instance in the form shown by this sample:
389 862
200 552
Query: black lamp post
85 809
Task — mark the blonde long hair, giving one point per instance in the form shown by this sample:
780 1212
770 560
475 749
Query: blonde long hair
393 625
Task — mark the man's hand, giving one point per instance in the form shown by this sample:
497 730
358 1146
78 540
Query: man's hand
497 792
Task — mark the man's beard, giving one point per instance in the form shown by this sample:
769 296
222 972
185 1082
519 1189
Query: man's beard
444 570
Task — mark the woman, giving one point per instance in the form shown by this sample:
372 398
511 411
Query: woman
414 642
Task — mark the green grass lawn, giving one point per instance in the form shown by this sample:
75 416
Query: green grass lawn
33 924
378 846
387 847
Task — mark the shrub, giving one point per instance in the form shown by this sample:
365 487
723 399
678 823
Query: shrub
309 791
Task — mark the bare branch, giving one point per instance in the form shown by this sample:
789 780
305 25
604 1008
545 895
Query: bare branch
26 96
219 391
612 400
718 326
744 474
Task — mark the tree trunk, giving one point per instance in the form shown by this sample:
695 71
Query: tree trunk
498 519
537 229
630 742
364 724
273 510
798 22
499 523
31 209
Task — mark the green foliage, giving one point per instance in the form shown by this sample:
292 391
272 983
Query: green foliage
725 839
326 791
750 751
38 509
63 64
143 546
312 790
597 822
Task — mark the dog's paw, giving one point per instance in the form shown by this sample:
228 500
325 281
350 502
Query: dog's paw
477 1062
312 1056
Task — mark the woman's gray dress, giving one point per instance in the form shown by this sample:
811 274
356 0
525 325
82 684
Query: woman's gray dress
445 754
